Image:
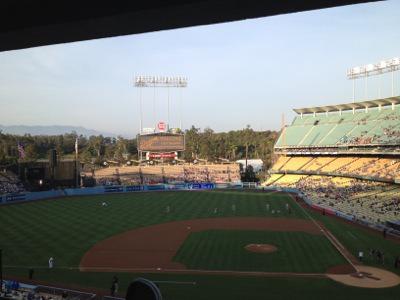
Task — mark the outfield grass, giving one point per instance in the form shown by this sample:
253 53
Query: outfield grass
224 250
356 238
232 287
66 228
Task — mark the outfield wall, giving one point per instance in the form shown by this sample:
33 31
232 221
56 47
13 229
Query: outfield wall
99 190
103 190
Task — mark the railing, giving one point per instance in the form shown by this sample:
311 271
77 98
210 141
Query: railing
250 185
362 177
51 290
71 294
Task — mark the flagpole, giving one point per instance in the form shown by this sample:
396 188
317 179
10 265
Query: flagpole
19 160
76 164
21 155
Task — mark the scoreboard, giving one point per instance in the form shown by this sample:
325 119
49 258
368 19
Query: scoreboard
161 142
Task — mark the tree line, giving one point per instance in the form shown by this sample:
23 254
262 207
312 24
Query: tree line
200 145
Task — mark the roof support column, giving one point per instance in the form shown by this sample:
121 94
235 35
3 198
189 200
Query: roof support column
380 107
354 110
301 115
340 112
366 109
314 114
392 105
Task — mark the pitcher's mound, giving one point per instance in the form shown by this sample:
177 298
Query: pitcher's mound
261 248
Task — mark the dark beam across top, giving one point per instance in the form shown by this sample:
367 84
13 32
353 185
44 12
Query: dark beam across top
30 23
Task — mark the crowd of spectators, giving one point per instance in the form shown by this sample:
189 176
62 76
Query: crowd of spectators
388 134
382 208
384 135
373 166
372 201
107 181
326 188
9 183
12 290
168 174
392 133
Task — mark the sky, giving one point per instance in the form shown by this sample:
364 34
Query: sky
241 73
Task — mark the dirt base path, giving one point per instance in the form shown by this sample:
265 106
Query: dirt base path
368 277
154 247
361 276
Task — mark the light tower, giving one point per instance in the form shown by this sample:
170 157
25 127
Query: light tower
384 66
154 82
160 143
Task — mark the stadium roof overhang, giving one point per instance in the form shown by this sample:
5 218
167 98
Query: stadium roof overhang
27 23
349 106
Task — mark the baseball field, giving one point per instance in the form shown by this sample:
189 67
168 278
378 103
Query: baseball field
196 244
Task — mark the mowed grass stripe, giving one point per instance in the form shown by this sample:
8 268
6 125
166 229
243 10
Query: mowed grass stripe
25 227
66 228
224 250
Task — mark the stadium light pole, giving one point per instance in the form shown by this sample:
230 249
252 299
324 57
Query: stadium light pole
141 111
180 110
384 66
154 82
392 84
168 109
154 105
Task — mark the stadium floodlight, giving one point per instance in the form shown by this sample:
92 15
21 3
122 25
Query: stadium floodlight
356 70
369 68
384 66
146 81
161 81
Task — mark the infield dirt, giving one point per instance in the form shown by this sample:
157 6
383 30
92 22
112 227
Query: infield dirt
153 247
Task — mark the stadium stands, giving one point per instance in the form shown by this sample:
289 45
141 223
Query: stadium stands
376 126
9 183
366 200
128 175
360 167
344 157
289 180
13 290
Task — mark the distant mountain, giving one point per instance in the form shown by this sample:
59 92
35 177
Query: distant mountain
51 130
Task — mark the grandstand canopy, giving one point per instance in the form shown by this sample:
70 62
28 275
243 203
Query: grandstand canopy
349 106
27 23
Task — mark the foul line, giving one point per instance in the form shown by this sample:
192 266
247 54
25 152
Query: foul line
174 282
182 271
339 247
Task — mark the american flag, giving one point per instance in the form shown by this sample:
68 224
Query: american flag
21 151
